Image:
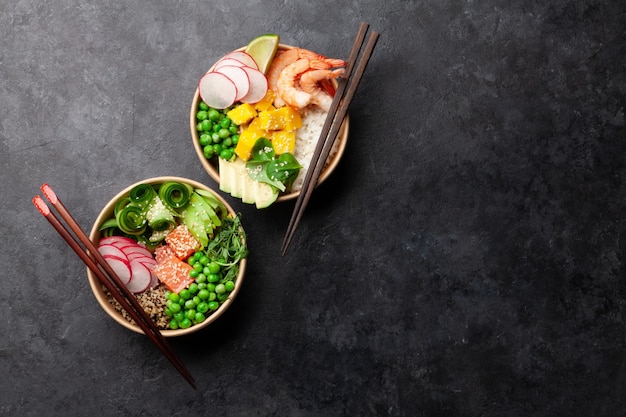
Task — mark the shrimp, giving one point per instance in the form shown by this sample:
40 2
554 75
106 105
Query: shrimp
285 57
287 84
309 82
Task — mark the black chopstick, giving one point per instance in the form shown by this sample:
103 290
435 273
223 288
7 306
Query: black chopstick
106 276
336 114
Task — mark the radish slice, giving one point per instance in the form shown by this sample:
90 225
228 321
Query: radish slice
242 56
121 267
117 241
141 258
228 62
217 90
108 249
258 86
239 76
141 279
136 249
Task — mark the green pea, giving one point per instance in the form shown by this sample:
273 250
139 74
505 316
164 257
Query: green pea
168 312
174 308
204 260
213 305
233 129
212 296
229 286
216 128
226 154
223 133
206 125
197 255
203 295
174 325
199 126
213 277
227 142
202 115
202 285
235 139
225 122
222 297
190 305
185 294
214 115
199 317
185 323
208 151
173 297
220 289
214 267
193 273
179 316
205 139
202 307
190 314
216 138
197 300
203 106
201 278
211 287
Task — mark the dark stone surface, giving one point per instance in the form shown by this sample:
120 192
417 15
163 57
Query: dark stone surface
466 258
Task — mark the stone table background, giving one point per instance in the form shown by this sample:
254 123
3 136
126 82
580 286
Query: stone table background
466 258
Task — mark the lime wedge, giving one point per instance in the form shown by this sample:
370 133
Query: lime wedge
262 49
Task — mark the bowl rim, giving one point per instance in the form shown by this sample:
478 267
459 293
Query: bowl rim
96 287
331 162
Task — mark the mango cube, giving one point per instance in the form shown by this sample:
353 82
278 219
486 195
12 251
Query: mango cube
283 141
266 103
248 138
242 114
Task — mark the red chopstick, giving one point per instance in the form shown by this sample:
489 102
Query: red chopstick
336 114
106 275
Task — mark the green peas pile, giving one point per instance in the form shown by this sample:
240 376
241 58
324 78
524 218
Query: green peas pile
218 134
202 297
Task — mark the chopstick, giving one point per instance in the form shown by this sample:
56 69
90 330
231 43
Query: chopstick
105 274
336 114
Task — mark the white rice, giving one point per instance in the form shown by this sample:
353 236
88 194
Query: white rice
313 119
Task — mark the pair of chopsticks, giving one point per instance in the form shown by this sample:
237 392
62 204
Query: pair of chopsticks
98 265
343 96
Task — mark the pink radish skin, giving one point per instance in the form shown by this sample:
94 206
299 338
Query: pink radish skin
242 56
141 279
239 76
117 241
224 62
108 249
136 249
258 86
217 90
121 267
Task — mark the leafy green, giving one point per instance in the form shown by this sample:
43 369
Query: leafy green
264 167
229 246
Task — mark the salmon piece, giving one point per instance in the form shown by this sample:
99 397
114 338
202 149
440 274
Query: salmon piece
173 272
181 242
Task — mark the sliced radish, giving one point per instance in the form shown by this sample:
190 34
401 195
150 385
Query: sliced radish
121 267
242 56
228 62
217 90
239 76
258 86
141 258
108 249
117 241
136 249
141 279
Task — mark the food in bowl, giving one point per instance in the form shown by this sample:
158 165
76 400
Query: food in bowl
259 150
177 246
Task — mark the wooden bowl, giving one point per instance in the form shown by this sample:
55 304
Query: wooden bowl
210 166
99 291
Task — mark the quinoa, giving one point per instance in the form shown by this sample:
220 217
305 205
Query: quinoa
313 119
153 302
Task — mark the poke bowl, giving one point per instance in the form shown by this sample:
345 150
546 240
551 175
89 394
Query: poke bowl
306 130
177 246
